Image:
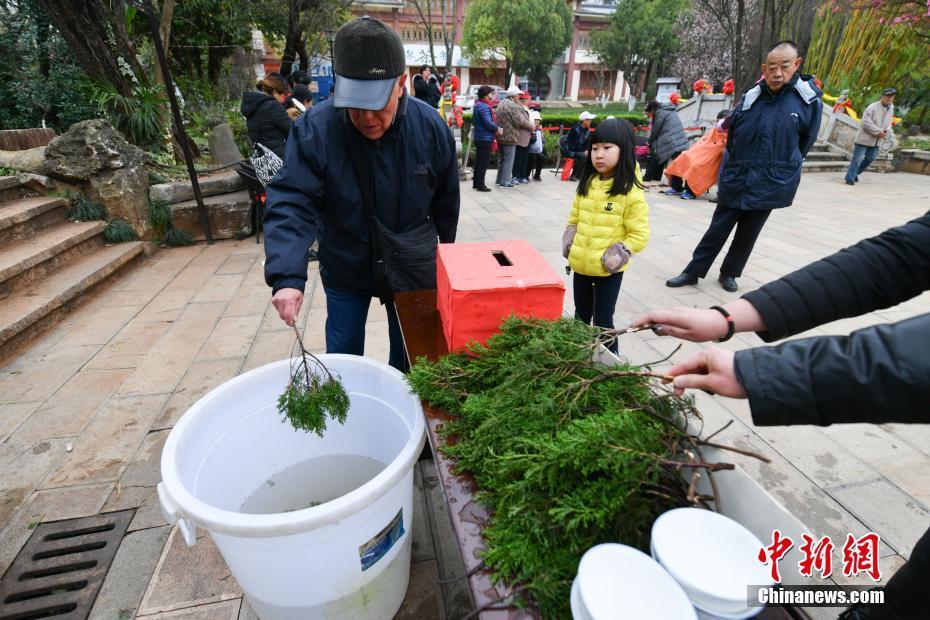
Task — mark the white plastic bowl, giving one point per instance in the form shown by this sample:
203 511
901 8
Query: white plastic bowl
616 581
713 557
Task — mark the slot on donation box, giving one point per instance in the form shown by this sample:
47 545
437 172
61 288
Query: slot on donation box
478 285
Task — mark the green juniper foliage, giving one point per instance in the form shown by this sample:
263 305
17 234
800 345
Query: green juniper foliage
567 453
119 230
312 394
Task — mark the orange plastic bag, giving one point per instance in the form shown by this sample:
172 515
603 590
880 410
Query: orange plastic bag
567 164
478 285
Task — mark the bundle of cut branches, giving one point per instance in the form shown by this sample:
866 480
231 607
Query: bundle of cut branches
566 452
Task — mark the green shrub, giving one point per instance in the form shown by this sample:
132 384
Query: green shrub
142 116
85 210
165 232
119 230
155 178
175 238
159 216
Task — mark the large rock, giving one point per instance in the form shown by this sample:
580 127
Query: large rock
223 147
180 191
112 170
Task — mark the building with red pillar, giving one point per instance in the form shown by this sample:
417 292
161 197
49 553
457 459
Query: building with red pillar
575 75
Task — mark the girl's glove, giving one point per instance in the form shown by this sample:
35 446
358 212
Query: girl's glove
567 238
615 257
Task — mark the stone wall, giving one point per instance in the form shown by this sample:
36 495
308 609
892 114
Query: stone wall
24 139
839 130
914 161
702 110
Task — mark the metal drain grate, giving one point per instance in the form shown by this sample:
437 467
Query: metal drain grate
60 569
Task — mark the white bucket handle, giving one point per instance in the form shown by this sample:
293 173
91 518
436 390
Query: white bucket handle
172 514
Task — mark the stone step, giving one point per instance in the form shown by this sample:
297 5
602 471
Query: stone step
210 185
23 217
825 166
229 216
825 156
29 310
29 260
819 147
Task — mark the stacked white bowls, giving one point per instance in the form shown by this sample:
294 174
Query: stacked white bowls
616 582
713 558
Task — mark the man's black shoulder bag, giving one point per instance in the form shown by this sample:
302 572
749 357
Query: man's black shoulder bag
400 261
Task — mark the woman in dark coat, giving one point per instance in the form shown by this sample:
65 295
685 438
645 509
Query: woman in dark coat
485 130
667 140
265 116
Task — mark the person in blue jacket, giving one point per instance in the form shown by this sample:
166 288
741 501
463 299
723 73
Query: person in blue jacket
485 131
409 160
771 130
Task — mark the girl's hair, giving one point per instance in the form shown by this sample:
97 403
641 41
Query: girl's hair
620 132
273 84
484 91
652 106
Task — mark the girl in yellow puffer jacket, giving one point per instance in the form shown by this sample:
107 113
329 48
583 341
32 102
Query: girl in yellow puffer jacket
608 224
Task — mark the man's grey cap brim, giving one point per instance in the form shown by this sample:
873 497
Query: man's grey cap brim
363 94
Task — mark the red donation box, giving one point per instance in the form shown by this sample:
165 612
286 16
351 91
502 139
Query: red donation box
480 284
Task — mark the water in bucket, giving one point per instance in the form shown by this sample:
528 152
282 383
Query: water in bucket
311 483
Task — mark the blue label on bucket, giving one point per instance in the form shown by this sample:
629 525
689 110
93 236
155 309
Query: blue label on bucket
381 543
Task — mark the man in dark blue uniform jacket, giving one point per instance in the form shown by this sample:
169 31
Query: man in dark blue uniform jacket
409 159
771 130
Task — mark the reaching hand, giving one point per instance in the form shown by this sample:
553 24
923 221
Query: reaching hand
287 302
694 324
711 370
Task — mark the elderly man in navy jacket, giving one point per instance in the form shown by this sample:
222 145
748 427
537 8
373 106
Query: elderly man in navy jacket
409 163
773 127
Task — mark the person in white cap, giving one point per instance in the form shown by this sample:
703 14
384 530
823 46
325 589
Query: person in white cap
536 147
576 142
511 118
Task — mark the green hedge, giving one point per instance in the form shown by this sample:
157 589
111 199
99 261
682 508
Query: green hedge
566 118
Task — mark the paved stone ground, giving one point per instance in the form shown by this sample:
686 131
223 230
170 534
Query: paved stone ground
86 408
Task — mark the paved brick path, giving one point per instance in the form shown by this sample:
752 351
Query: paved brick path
86 408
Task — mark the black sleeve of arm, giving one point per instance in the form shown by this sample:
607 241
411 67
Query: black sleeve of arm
874 375
281 120
875 273
656 131
445 207
809 136
292 207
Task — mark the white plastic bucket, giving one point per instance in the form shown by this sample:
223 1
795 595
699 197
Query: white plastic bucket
346 558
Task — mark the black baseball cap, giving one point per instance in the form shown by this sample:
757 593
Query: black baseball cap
368 57
889 91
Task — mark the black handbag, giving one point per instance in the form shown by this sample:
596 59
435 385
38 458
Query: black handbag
400 261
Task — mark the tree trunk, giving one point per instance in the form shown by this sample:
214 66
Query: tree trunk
445 38
95 32
42 28
736 48
292 40
215 56
164 33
